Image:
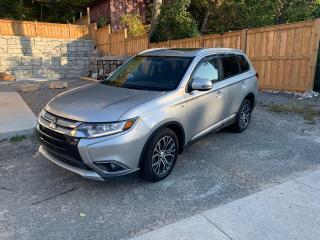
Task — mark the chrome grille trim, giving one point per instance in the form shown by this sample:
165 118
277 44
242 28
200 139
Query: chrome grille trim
61 125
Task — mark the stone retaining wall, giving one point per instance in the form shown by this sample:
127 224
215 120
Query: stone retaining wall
26 57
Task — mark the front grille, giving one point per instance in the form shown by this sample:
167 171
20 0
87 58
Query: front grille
58 124
61 146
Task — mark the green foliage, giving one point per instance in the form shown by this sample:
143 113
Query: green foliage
52 10
18 138
174 22
8 9
228 15
309 113
299 10
134 25
102 21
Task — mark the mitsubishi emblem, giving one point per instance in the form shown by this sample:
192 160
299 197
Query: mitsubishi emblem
53 123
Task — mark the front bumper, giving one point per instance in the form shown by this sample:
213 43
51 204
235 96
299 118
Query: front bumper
82 172
124 149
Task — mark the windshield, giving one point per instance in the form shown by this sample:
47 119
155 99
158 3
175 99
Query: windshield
150 73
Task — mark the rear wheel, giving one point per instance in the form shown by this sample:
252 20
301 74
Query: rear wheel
243 116
160 155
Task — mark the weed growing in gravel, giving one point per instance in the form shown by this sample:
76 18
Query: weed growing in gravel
309 113
17 138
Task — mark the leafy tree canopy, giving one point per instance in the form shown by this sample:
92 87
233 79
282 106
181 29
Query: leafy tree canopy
226 15
50 10
134 24
174 22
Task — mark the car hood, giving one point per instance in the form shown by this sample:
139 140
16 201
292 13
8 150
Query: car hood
98 102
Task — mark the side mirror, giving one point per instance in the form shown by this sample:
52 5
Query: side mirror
201 84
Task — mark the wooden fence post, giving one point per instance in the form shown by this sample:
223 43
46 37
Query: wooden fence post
81 18
244 40
35 28
125 32
201 41
220 41
314 58
69 30
148 41
88 21
95 27
109 38
88 15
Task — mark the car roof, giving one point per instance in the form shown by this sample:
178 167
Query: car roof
186 52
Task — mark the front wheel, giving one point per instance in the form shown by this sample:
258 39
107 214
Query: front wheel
160 155
243 116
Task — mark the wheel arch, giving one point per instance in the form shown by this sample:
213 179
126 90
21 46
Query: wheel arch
251 97
174 126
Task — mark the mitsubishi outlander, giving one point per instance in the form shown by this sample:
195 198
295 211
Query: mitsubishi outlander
144 114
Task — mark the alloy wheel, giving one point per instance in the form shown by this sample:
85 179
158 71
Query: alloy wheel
245 115
163 155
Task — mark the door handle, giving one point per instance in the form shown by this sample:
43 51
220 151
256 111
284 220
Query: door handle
219 94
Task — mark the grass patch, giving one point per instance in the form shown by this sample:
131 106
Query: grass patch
309 113
17 138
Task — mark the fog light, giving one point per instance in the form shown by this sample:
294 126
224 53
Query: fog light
110 166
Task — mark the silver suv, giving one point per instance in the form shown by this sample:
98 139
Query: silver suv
147 112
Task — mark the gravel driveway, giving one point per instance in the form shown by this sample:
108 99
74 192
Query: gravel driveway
39 200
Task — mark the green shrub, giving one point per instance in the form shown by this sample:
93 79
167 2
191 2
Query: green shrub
174 22
102 21
134 25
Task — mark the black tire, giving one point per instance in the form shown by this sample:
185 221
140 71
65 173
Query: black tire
243 116
153 157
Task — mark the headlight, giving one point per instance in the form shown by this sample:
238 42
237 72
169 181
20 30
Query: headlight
92 130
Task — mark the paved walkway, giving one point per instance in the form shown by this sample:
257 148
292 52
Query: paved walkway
288 211
15 116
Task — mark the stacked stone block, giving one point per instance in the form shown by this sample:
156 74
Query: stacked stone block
26 57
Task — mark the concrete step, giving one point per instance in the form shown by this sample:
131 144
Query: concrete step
16 118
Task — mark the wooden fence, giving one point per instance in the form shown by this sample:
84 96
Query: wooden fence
285 56
42 29
117 44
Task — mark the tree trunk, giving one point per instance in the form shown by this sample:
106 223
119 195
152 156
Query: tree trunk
21 9
205 20
283 5
210 6
155 13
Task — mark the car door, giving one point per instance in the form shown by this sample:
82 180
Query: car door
235 84
204 108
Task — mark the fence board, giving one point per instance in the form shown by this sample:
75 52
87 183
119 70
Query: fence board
42 29
136 44
286 51
103 40
117 43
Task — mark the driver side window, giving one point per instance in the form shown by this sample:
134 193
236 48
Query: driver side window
208 69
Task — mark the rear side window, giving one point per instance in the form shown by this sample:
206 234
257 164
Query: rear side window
230 66
244 65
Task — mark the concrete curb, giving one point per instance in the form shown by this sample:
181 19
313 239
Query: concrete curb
288 211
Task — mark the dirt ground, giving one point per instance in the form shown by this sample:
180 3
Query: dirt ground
39 200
